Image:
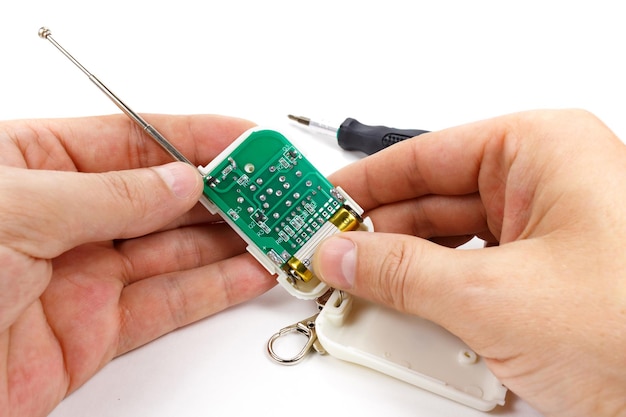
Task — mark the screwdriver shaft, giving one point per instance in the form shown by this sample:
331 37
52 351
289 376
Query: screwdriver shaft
317 125
149 129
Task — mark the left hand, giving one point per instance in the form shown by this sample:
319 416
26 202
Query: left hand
100 254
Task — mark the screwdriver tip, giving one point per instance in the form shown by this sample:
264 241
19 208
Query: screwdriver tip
300 119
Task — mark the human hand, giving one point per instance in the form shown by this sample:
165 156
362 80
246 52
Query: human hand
95 264
547 307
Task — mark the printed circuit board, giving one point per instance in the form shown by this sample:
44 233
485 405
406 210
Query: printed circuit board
278 202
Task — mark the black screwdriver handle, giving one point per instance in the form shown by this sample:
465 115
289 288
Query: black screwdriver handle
355 136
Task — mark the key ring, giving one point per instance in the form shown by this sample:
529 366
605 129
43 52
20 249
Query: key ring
305 327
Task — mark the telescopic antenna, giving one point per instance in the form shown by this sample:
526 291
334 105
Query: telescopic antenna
158 137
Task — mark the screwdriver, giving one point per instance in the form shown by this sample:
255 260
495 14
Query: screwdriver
355 136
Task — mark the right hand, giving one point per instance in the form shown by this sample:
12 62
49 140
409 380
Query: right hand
547 307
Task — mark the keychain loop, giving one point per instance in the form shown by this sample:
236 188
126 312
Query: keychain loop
305 327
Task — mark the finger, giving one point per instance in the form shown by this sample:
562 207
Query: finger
416 276
52 211
432 216
433 163
196 216
155 306
462 159
178 249
111 143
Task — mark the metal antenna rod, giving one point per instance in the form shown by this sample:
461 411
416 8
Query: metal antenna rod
158 137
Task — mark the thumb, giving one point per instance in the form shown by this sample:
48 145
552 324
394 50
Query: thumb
403 272
53 211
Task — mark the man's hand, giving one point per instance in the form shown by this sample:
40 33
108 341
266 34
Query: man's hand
547 307
101 250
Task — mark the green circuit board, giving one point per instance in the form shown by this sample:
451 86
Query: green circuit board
273 194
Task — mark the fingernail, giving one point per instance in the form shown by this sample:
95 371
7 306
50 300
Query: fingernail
178 178
336 260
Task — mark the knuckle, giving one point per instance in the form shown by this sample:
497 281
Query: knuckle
124 193
395 275
177 302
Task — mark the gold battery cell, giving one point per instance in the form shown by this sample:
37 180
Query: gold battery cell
299 269
344 220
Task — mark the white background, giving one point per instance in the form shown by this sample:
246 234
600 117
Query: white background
421 64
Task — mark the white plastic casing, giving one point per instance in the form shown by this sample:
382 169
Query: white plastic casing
408 348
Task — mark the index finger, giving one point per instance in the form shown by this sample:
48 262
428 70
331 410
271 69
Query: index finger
114 142
447 162
199 137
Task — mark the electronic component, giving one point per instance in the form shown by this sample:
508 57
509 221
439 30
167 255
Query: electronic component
283 207
269 193
280 204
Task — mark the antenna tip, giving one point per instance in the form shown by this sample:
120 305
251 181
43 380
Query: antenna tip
44 32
